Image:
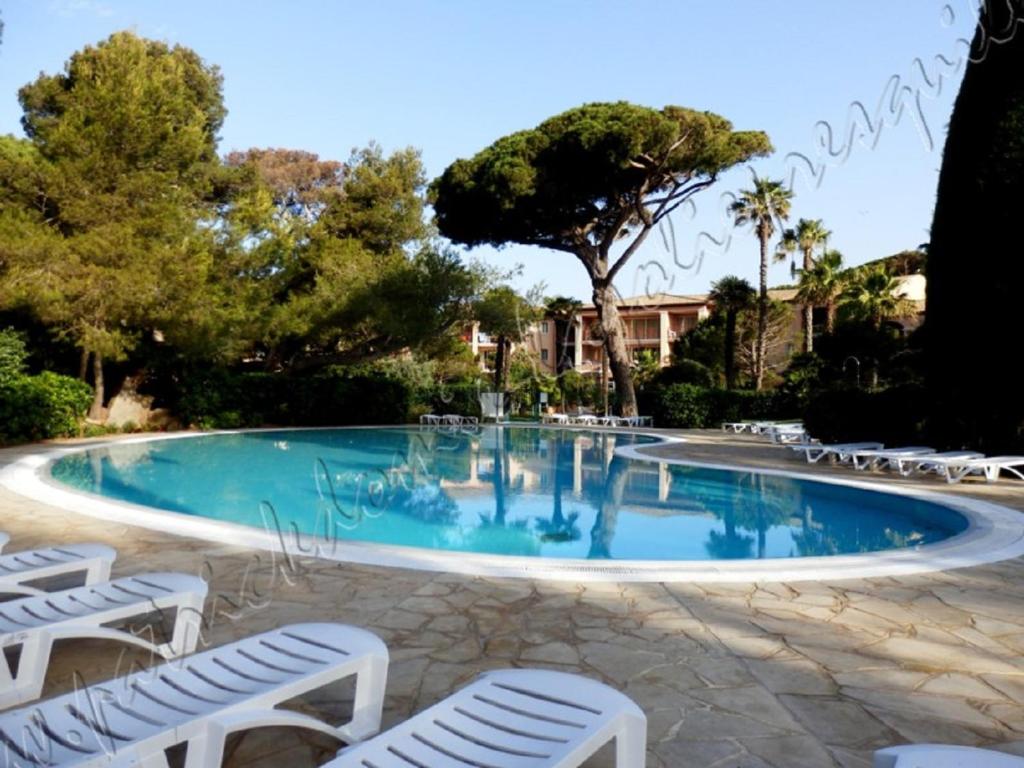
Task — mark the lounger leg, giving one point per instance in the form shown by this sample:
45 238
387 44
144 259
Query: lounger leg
188 623
631 745
369 700
207 749
98 571
27 685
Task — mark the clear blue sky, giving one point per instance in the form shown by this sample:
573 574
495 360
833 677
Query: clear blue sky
450 77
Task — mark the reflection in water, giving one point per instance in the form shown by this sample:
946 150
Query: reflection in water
506 490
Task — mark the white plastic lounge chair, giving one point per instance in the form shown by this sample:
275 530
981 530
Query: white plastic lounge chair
430 418
942 756
841 452
20 567
34 623
4 538
521 718
554 418
930 463
877 459
200 700
735 427
955 470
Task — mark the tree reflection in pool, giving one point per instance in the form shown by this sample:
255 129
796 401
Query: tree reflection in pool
501 490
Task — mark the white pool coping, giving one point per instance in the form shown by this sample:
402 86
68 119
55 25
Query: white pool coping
994 532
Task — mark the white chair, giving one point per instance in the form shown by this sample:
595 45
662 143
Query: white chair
878 459
35 623
735 426
430 418
521 718
955 470
452 419
942 756
908 466
20 567
200 701
841 452
4 538
554 418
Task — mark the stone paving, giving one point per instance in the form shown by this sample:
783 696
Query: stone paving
730 675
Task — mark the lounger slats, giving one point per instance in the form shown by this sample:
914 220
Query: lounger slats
511 719
20 562
135 717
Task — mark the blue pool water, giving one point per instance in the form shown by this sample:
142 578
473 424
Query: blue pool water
502 490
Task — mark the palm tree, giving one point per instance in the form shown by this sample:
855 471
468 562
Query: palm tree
731 295
764 207
874 295
808 235
823 284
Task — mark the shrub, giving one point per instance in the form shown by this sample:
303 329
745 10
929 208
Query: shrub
12 356
894 416
686 372
689 406
41 407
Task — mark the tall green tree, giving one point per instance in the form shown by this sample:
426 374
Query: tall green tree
593 182
127 139
874 295
731 295
764 208
823 284
806 237
972 253
506 316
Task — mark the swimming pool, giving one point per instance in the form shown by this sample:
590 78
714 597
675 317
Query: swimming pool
509 491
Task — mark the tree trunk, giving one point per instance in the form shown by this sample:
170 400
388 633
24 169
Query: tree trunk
730 349
615 347
830 318
96 411
762 315
499 365
83 365
808 308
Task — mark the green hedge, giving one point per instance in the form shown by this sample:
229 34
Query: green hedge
224 399
41 407
688 406
894 416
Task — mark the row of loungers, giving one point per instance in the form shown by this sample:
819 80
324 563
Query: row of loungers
521 718
954 466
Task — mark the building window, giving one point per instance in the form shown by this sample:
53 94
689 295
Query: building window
543 355
544 326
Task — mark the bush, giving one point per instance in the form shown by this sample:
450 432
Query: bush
41 407
689 406
894 416
12 356
686 372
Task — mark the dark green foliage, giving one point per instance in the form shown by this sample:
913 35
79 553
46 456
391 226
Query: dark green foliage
688 406
686 372
40 407
12 356
971 255
893 416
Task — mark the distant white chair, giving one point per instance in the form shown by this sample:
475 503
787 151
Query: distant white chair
523 718
880 458
554 418
841 452
492 406
990 467
33 624
431 419
943 756
931 463
736 427
18 568
201 701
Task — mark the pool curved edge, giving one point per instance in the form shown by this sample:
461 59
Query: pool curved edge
994 533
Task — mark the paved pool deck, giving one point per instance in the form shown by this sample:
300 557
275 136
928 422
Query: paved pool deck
815 673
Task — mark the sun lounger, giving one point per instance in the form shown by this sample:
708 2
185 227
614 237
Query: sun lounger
514 718
34 623
430 418
931 462
877 459
736 427
200 701
554 418
841 452
955 470
942 756
21 567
